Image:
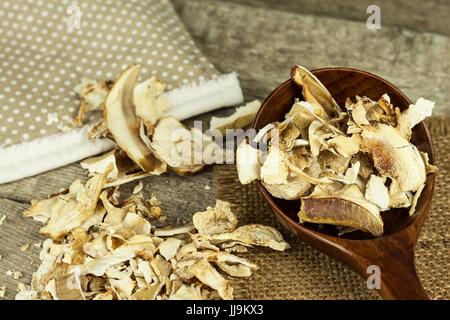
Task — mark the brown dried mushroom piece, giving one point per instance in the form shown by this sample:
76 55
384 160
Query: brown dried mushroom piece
124 125
347 207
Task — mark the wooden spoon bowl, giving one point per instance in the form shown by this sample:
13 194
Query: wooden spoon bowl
393 253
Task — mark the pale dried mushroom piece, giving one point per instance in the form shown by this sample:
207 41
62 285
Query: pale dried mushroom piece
293 189
71 210
377 192
168 249
346 146
217 219
92 96
275 168
150 102
415 199
124 125
248 162
176 146
413 115
348 207
429 167
206 273
242 117
99 164
394 156
251 234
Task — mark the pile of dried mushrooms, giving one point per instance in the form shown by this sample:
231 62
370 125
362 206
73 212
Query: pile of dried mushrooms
345 165
148 142
102 247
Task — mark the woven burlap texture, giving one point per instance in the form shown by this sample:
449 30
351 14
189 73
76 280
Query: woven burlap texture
302 272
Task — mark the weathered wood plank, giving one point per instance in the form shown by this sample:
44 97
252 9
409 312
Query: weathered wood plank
419 15
14 233
263 44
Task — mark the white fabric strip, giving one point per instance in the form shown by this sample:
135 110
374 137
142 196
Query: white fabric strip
47 153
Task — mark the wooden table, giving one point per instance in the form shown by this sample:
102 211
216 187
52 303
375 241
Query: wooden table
261 40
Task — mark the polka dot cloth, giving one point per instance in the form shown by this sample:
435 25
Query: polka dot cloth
44 55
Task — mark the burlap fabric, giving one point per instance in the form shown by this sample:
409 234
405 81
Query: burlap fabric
304 273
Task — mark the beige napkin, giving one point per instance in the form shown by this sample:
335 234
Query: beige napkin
47 47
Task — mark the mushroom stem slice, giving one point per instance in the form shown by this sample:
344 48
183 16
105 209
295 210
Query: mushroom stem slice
124 125
347 207
314 91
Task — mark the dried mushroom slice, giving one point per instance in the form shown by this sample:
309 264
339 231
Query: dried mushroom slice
377 192
394 156
415 199
70 210
217 219
397 198
242 117
294 188
344 145
177 146
429 167
347 207
286 135
150 102
251 234
413 115
123 123
92 96
315 92
206 273
275 168
248 163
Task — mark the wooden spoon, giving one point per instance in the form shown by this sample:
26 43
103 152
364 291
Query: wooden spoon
393 253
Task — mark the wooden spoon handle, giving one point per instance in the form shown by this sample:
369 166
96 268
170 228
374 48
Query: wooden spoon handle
400 281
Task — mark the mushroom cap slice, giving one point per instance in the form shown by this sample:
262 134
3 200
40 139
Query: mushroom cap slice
124 125
177 146
315 92
347 207
394 156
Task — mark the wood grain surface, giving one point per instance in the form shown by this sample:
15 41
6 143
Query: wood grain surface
261 40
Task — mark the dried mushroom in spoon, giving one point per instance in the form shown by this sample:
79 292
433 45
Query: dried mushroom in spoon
345 164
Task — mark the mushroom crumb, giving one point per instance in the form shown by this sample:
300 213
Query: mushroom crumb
344 165
100 247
